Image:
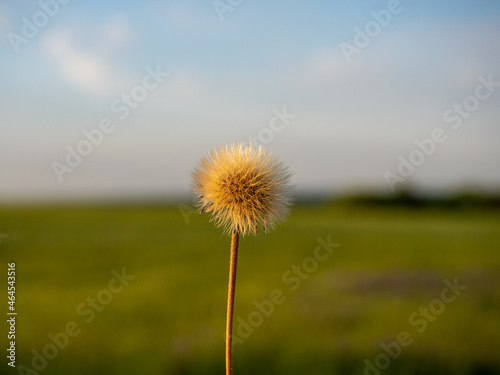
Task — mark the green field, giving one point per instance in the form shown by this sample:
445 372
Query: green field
387 280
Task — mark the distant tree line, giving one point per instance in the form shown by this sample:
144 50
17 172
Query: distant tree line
408 199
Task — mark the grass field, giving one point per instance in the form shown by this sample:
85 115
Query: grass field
385 285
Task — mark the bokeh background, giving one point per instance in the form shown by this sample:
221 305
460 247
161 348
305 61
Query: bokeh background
343 92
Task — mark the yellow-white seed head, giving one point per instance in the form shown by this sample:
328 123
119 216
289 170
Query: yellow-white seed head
243 187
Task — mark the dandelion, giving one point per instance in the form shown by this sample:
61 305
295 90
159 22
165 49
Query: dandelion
244 189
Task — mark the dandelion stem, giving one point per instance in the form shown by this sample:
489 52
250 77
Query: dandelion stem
230 300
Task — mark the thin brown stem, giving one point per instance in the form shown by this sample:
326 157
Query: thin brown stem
230 301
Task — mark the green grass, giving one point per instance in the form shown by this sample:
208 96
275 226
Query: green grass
170 319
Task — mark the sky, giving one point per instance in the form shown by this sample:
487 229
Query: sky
120 99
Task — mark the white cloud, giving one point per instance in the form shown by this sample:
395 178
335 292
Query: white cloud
117 31
86 70
327 67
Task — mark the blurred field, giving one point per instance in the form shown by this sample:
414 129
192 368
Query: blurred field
170 319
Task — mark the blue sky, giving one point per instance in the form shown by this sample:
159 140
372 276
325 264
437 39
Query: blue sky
351 119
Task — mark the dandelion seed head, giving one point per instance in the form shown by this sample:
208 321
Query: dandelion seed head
243 188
